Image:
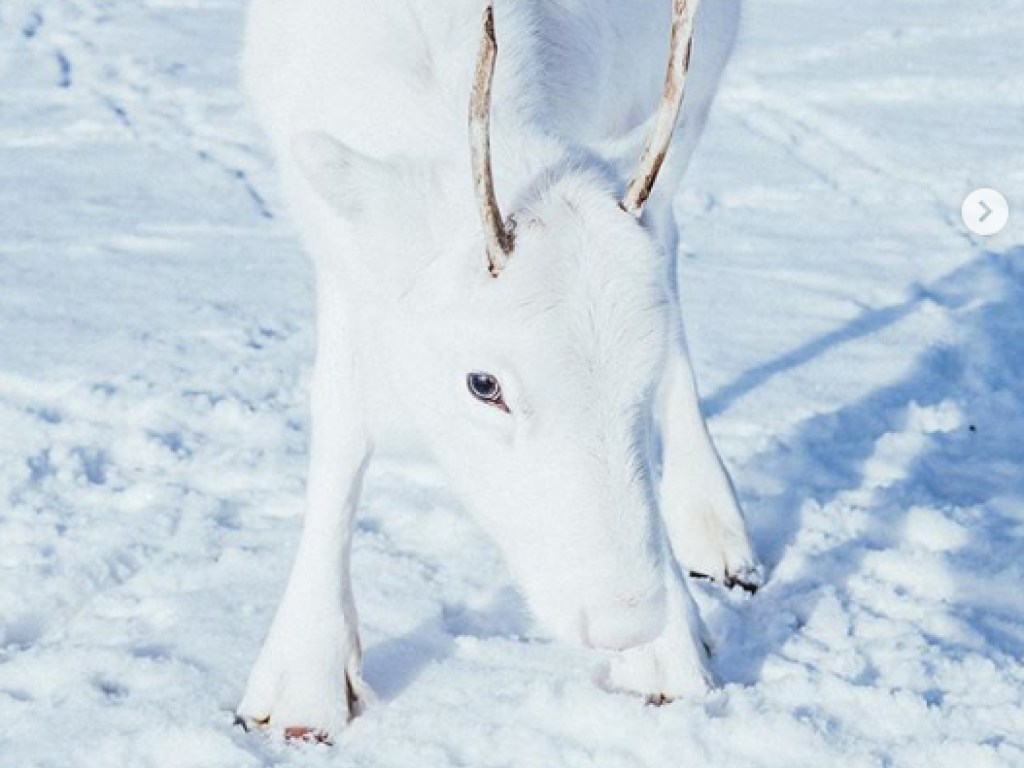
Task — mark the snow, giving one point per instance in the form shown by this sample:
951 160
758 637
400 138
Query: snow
859 352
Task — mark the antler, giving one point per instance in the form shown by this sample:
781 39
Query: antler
653 155
497 234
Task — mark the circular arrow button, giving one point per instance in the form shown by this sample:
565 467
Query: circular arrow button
985 211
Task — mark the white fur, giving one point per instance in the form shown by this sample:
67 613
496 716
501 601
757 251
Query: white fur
366 107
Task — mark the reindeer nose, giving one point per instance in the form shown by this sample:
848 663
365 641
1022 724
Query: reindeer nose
623 622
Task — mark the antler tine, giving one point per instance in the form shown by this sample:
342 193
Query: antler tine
497 234
653 155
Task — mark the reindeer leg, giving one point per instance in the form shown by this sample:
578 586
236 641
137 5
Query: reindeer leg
306 680
698 502
677 663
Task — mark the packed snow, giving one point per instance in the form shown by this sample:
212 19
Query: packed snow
860 354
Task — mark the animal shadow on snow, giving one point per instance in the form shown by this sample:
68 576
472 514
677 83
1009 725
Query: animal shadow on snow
394 664
968 470
413 495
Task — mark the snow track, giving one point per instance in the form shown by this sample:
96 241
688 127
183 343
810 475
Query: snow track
860 355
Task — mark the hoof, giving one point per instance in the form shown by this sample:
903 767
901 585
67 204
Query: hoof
291 733
310 735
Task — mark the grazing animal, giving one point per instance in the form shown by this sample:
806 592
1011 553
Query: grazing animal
509 304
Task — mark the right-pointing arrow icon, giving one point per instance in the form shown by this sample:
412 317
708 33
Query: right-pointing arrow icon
985 212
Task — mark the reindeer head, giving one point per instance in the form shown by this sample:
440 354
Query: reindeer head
532 379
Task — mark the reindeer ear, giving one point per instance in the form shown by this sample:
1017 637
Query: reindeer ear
346 179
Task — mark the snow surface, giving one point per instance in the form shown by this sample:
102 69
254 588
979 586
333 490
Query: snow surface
860 355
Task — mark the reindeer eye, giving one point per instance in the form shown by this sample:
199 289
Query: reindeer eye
485 388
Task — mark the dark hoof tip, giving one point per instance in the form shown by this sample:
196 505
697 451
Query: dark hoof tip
248 723
747 586
730 581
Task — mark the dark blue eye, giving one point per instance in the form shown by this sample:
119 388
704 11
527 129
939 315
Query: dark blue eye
485 388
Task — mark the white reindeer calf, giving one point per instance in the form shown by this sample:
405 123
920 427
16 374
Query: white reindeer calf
536 356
